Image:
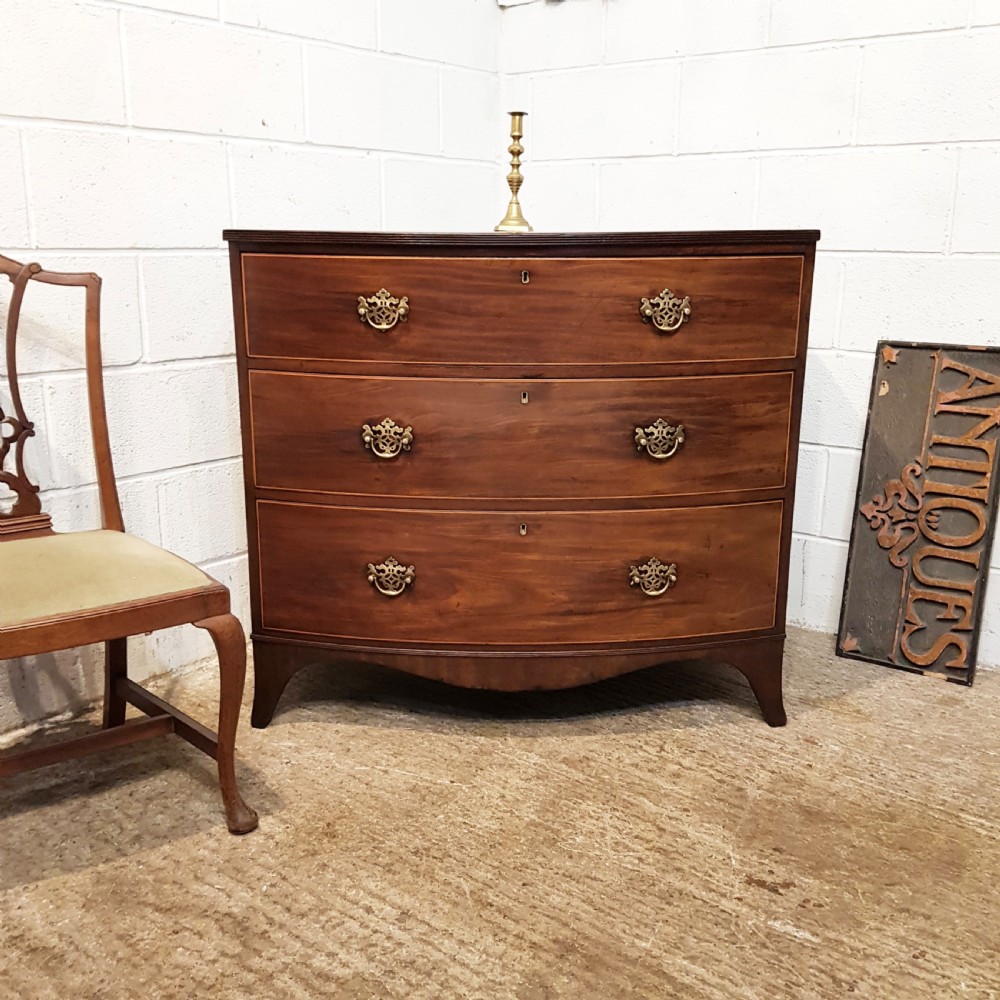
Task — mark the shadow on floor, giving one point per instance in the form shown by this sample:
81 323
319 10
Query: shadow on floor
123 801
365 694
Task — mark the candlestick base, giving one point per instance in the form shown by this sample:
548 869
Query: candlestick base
513 221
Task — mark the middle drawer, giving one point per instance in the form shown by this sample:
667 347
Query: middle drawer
530 439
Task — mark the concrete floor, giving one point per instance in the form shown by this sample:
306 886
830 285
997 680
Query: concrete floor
645 837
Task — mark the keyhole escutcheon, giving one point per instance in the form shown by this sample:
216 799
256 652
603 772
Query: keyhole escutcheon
524 398
525 277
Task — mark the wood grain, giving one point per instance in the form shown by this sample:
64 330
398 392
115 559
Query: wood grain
479 311
479 580
616 244
572 438
482 463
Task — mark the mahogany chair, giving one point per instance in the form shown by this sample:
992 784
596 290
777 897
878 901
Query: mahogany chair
68 589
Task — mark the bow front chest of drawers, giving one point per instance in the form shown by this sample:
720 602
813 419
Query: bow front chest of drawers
520 462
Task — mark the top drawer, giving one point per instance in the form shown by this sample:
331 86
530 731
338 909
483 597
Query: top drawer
530 311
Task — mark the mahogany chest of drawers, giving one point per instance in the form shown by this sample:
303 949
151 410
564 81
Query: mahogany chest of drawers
520 462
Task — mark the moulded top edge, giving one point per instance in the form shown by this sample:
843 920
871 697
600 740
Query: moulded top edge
533 240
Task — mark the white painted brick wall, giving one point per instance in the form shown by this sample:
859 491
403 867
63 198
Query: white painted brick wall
863 199
14 217
552 36
448 31
397 107
810 486
836 398
976 226
878 123
197 8
132 133
51 328
699 192
931 88
354 23
210 89
768 99
986 12
62 61
828 286
304 187
413 195
218 486
187 309
565 196
597 114
652 29
891 291
793 21
837 493
123 189
470 113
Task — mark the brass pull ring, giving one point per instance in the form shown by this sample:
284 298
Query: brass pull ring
382 311
661 439
390 577
387 439
666 311
655 578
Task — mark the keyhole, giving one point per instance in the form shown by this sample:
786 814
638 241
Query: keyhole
523 529
525 277
524 398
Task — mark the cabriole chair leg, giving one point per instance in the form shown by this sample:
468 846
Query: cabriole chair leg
227 634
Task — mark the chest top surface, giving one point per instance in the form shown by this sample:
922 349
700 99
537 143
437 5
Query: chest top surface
506 245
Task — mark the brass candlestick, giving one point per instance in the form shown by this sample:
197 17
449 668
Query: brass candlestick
514 221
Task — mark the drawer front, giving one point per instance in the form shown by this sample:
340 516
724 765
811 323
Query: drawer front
479 580
572 438
520 311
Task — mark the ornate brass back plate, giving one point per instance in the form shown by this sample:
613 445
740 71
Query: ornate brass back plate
667 312
383 310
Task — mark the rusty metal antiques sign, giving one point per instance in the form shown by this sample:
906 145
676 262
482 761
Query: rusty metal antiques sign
925 511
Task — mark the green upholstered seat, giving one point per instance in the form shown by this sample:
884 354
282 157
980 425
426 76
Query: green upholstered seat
55 576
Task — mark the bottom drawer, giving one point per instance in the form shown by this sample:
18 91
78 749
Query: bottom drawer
489 578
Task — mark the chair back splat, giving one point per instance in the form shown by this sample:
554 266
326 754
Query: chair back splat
25 518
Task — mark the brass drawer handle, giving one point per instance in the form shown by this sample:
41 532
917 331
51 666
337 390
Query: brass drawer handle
661 439
666 312
653 577
387 439
382 311
390 577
